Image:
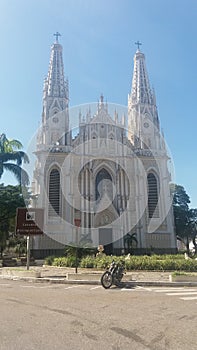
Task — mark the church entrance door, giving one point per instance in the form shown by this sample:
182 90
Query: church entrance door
105 238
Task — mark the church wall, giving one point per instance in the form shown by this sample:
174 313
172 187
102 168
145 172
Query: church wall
103 143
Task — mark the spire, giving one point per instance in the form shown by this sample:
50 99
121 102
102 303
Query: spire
101 99
55 84
101 105
142 109
140 92
55 100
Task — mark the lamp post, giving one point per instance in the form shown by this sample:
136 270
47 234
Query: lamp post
77 224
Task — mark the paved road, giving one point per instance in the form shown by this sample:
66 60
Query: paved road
40 317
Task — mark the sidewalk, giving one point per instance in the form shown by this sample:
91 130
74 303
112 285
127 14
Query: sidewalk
50 274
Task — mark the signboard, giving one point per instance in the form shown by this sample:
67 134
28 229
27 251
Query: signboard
77 222
29 221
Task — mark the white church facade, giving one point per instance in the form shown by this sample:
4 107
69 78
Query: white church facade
110 178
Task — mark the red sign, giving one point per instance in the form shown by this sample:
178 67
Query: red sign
77 222
29 221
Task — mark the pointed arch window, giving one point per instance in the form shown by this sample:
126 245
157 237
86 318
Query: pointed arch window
103 184
153 209
111 136
54 192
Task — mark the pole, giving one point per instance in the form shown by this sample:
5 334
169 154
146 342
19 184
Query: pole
28 251
76 252
77 224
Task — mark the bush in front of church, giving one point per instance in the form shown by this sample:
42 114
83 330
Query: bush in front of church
132 262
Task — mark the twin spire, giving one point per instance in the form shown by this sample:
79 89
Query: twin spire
56 86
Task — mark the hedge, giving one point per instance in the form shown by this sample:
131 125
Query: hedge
151 263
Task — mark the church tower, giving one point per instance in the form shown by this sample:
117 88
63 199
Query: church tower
55 115
143 122
53 145
155 226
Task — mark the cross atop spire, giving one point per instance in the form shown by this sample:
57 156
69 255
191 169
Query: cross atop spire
56 36
138 44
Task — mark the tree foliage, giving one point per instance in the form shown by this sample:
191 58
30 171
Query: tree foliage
11 159
185 218
10 199
130 241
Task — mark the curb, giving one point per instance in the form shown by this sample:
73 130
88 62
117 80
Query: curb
97 282
50 280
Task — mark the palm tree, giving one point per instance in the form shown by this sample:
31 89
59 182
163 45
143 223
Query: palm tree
10 151
129 239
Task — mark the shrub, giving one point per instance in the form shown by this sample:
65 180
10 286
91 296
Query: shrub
65 261
154 262
87 262
82 251
103 261
49 260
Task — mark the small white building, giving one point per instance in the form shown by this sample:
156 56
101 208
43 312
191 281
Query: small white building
112 177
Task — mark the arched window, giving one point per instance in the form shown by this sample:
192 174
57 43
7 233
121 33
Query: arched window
54 192
111 136
153 210
104 184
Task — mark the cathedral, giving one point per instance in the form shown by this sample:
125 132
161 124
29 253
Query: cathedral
108 178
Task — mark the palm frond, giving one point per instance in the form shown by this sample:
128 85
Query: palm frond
3 139
1 169
18 156
15 144
19 173
129 239
7 145
22 156
5 157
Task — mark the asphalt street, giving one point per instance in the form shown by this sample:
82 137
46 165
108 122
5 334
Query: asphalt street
56 316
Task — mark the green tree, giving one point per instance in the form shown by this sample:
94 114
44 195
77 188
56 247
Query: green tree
130 240
193 227
184 217
10 199
11 158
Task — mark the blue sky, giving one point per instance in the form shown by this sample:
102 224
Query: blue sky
98 40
